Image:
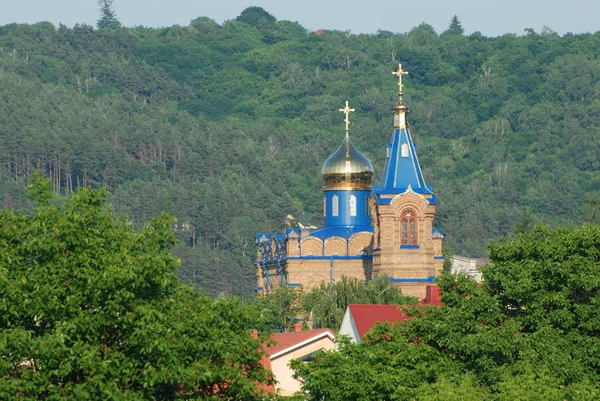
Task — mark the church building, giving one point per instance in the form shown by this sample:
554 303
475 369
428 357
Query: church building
368 230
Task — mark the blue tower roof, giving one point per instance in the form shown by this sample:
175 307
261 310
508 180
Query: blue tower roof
402 169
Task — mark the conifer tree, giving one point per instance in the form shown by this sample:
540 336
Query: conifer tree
455 26
108 16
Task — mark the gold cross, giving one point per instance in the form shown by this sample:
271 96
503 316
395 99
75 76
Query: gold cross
399 73
347 110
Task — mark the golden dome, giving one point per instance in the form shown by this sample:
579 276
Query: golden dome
347 168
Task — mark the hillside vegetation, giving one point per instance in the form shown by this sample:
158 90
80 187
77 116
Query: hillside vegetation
226 126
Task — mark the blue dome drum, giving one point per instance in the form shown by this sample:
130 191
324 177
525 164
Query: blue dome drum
347 208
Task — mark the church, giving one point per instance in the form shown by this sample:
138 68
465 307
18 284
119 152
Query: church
368 230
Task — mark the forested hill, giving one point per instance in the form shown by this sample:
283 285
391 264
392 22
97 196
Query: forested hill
226 126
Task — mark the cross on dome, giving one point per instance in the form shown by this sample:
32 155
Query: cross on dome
399 73
347 110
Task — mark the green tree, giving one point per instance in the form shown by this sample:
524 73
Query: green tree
530 332
590 210
256 17
277 311
91 309
327 303
218 121
455 26
108 16
524 223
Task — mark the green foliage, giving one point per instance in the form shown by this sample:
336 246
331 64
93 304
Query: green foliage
590 210
40 191
549 277
277 311
91 309
524 223
226 125
529 333
325 305
256 17
455 27
108 16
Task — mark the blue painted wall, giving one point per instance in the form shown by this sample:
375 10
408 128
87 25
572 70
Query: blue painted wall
344 218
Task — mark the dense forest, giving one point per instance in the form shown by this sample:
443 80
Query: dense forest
226 126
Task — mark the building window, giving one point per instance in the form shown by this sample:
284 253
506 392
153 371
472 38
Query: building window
325 206
404 150
408 228
352 205
367 208
334 206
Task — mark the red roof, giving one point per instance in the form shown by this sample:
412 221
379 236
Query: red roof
365 316
284 341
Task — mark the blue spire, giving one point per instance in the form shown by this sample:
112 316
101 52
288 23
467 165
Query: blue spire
402 169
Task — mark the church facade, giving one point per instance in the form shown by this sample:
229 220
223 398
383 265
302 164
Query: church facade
368 230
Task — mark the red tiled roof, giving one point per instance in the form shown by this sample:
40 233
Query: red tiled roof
365 316
284 341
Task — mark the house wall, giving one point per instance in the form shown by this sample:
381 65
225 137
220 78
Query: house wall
347 327
287 385
470 266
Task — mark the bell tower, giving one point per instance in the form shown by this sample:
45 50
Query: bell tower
406 247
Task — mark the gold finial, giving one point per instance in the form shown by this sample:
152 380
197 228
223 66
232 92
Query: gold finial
399 73
400 109
347 110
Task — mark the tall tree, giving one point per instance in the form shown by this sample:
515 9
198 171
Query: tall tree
91 309
455 26
108 16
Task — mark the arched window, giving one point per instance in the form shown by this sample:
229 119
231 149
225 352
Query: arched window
404 150
325 206
367 208
352 205
334 206
408 229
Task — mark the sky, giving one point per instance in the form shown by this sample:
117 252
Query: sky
491 18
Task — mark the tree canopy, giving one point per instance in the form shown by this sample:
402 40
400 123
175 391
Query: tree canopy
324 305
91 309
455 26
108 16
530 332
256 17
226 125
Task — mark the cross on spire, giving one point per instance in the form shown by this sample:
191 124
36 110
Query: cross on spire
399 73
347 110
